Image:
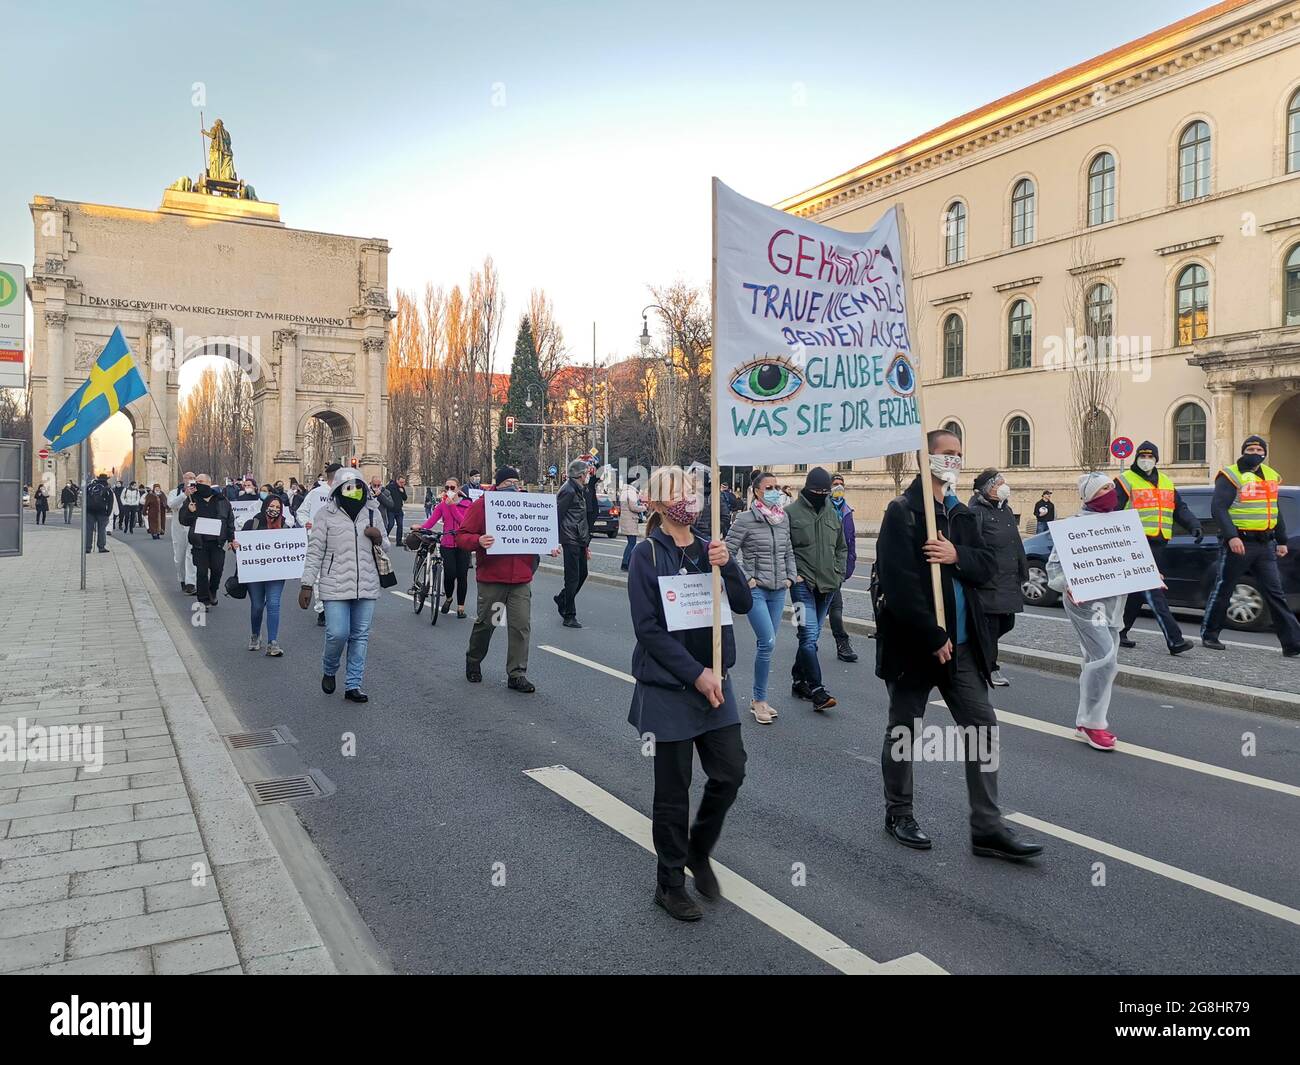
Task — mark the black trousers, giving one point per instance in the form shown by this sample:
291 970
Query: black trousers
722 754
209 560
128 519
97 523
1155 599
998 625
455 573
1260 562
40 515
575 576
836 615
964 691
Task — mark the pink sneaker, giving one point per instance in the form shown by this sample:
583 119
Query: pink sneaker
1097 738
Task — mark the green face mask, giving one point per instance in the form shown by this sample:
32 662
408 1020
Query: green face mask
352 493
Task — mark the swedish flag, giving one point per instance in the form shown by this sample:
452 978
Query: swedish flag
114 382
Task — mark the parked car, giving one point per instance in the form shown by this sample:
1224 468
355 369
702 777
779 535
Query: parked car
607 512
1190 568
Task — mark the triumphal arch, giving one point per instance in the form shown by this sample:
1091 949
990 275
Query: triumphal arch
214 271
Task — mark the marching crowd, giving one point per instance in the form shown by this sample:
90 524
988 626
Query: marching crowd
777 546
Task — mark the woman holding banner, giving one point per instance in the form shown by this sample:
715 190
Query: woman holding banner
264 596
680 706
759 540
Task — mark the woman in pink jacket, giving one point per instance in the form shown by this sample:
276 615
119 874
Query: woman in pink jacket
451 510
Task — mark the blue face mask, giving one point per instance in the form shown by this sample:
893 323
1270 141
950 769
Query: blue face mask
772 497
262 495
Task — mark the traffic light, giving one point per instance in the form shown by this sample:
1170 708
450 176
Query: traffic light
510 423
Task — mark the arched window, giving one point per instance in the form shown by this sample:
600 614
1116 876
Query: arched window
1022 213
1293 134
954 346
1099 318
1189 433
1194 162
1017 442
1020 336
1291 283
954 229
1192 304
954 428
1101 189
1096 438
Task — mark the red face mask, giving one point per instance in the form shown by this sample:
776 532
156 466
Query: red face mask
1104 503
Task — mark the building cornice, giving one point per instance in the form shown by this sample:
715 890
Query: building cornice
1081 92
1189 245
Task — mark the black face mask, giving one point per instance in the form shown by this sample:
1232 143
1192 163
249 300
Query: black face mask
816 501
351 507
1249 462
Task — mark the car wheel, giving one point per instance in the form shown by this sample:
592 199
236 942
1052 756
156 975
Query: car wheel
1247 610
1034 588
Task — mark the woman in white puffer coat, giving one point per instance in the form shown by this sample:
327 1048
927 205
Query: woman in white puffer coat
341 560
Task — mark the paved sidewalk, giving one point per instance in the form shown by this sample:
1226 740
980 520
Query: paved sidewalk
157 861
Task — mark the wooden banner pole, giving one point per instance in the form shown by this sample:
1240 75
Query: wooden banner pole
715 521
922 454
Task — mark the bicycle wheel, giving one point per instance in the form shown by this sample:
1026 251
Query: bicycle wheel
435 590
420 588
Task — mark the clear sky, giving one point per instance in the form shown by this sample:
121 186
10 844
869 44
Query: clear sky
572 141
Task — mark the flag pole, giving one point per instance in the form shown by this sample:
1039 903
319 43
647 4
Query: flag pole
85 445
922 457
715 523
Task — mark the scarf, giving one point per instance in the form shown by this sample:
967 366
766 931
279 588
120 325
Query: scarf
771 515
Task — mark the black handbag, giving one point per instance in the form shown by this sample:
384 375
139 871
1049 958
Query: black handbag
234 589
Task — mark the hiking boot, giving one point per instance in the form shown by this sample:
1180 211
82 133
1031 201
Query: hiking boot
521 684
678 903
844 650
822 700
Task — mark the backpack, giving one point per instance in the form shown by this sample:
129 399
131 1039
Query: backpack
99 498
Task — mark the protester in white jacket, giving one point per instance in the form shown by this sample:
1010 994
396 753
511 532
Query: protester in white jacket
314 499
1097 624
185 572
130 507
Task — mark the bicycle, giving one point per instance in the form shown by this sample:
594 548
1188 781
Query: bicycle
427 580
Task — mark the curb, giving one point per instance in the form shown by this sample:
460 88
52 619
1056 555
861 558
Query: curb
1137 678
268 919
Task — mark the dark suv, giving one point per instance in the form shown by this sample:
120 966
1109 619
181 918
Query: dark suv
1190 568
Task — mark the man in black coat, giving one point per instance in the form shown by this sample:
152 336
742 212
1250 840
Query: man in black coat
208 548
915 654
575 539
1044 511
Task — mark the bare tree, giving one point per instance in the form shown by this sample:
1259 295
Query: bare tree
217 423
1092 390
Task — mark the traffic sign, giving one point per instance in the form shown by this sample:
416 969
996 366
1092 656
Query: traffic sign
13 325
1121 447
552 470
44 453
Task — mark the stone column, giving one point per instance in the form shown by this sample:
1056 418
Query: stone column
288 463
1240 422
56 369
1220 441
158 455
373 457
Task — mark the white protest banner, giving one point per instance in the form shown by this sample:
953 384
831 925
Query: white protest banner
207 527
1104 554
688 601
812 357
472 493
271 555
523 523
245 509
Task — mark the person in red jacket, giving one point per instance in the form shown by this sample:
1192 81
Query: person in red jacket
504 583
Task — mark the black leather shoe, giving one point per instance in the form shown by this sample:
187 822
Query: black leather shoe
1003 844
844 650
446 606
678 903
800 690
356 695
327 684
472 673
521 684
1213 643
822 700
1179 648
1290 652
908 833
572 623
706 883
1125 640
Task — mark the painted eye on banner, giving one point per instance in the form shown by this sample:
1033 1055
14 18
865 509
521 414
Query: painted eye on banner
900 376
767 379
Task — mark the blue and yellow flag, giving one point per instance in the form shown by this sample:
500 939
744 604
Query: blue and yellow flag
114 382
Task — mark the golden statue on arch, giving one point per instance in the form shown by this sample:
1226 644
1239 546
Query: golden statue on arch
221 160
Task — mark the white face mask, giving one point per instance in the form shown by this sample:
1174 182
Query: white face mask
946 467
1004 492
1146 465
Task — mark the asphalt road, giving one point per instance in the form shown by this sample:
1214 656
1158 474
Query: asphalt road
435 806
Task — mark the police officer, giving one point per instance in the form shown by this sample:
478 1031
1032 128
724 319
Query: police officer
1252 537
1148 490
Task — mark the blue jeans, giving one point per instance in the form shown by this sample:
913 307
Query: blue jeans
765 617
627 551
347 621
815 606
265 596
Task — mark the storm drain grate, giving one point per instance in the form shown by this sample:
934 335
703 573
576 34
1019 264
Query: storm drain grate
242 741
284 789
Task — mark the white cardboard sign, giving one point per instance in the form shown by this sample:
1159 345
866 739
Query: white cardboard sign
523 523
207 526
244 509
271 555
688 601
1104 555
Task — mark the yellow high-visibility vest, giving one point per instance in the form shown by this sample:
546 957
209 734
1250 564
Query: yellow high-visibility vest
1153 502
1255 508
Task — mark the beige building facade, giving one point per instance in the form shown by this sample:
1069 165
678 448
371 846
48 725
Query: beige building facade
305 314
1136 217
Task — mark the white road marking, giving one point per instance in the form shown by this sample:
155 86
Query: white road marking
756 902
1149 753
587 662
404 595
1172 872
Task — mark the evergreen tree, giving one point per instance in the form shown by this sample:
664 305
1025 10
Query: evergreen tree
519 449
